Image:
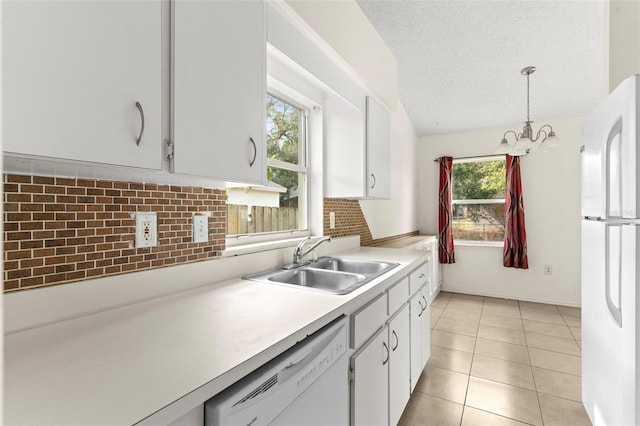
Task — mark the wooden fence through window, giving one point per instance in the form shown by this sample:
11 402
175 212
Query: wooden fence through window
263 219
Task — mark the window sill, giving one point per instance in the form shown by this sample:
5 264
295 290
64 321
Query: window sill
466 243
260 246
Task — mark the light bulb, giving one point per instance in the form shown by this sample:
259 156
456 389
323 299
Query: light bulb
504 147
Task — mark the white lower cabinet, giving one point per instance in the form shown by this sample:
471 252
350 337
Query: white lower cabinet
420 334
399 369
435 275
425 332
382 365
369 389
416 312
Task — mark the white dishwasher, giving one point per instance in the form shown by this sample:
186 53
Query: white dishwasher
306 385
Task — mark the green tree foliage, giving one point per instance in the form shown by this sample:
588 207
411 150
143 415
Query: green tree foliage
283 128
283 123
481 180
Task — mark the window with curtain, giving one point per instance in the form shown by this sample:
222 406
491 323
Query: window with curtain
478 199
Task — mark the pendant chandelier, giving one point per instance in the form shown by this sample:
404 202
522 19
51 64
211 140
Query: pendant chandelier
525 142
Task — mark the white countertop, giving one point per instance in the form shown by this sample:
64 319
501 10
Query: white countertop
121 366
407 242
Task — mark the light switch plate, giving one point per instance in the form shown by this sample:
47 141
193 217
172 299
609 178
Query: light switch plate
146 229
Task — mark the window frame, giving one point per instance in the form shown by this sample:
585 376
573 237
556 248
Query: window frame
291 97
455 203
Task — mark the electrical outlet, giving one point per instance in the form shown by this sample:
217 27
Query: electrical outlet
548 269
201 227
332 220
146 229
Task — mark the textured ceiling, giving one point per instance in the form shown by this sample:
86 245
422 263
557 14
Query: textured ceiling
459 62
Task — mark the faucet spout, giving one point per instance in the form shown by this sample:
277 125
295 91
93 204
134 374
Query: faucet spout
298 254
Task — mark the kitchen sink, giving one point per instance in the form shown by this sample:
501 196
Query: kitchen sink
348 265
335 282
327 274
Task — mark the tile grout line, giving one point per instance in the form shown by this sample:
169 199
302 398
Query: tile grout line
507 343
535 385
526 345
495 381
473 356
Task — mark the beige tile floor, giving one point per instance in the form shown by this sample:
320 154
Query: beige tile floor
499 362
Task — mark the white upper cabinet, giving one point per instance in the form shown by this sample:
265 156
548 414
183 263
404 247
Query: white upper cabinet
343 130
357 149
378 150
81 80
219 80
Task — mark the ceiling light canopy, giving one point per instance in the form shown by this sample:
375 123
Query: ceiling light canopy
525 142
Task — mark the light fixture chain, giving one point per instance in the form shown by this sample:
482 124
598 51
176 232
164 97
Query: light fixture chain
525 142
528 117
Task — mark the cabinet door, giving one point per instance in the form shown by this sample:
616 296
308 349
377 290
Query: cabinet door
344 153
72 73
416 309
378 150
399 368
219 81
425 329
370 386
434 280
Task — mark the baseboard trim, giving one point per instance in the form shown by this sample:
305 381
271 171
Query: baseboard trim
513 297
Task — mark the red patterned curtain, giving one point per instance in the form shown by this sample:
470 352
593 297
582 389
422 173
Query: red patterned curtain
514 253
445 229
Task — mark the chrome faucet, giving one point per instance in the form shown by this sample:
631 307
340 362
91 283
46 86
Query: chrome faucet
298 254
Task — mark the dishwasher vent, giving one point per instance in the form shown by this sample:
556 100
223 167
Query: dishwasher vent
268 384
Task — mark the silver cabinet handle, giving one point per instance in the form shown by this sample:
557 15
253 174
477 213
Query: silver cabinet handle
421 308
374 180
393 349
425 302
141 111
421 276
386 348
255 152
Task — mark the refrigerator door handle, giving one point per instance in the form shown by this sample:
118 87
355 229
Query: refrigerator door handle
613 185
613 270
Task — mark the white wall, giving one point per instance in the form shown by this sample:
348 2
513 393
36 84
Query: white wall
398 215
345 27
624 40
551 188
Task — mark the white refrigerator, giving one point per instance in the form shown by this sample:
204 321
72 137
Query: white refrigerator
610 257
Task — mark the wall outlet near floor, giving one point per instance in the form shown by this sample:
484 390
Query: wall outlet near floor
146 229
201 227
332 220
548 269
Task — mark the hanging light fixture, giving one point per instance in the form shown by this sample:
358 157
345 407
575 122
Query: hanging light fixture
525 142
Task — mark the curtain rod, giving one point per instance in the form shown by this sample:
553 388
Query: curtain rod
473 157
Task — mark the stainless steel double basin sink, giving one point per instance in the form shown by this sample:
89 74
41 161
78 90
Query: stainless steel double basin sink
329 274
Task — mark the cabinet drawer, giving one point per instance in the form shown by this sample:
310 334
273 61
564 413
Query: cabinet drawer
398 295
419 277
366 321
